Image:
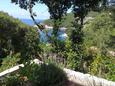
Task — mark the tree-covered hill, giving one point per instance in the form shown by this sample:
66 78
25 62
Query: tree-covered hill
69 18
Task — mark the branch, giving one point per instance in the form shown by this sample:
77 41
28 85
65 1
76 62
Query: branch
32 16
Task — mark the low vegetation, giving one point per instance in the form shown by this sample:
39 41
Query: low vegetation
17 38
37 75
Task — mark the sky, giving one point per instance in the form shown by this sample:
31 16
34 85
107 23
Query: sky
17 12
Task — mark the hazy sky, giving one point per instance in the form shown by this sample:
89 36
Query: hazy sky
15 11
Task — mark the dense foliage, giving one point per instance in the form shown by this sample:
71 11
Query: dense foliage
37 75
98 33
9 61
16 37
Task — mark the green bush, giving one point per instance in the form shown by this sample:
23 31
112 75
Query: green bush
9 62
110 66
36 75
44 75
99 40
12 81
104 67
98 32
17 37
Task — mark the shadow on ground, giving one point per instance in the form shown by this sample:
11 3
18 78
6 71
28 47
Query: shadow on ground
70 83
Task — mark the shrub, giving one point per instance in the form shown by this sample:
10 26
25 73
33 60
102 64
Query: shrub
99 39
17 37
9 61
103 66
44 75
36 75
12 81
99 31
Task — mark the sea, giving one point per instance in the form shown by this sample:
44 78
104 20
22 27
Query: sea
30 21
43 37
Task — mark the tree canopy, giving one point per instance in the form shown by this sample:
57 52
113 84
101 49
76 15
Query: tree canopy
57 8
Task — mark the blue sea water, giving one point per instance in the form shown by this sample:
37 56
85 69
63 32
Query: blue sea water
43 36
30 21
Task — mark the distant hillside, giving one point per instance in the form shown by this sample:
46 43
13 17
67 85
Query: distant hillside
68 19
67 22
